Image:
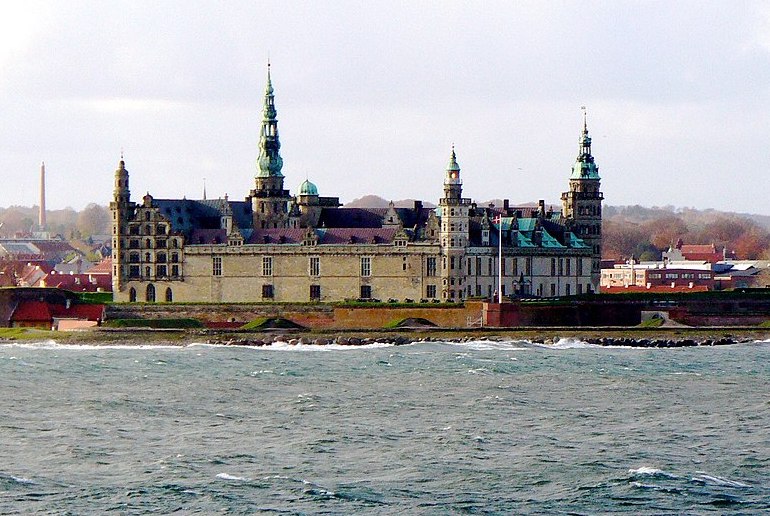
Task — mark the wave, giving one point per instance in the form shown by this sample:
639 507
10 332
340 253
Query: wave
227 476
493 345
647 471
704 478
566 343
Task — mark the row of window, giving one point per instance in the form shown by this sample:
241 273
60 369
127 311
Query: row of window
161 271
559 267
136 243
684 275
365 292
159 258
314 266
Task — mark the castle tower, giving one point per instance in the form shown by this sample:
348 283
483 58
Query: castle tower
270 202
121 208
41 217
454 231
582 204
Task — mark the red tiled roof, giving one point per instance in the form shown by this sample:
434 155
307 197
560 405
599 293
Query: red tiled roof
103 267
698 248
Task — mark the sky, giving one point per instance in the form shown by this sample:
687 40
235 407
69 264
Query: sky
372 95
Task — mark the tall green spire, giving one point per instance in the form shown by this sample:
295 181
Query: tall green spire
584 167
269 162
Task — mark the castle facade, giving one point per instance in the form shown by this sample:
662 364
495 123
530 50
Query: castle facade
277 247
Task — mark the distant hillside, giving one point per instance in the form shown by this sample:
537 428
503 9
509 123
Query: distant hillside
375 201
642 233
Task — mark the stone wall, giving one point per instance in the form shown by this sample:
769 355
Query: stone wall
308 315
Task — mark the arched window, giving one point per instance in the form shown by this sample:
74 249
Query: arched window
169 295
132 295
150 297
148 243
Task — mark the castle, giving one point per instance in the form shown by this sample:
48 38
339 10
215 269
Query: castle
277 247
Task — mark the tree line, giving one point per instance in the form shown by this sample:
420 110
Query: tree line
93 220
644 233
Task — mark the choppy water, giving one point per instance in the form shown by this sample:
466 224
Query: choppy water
420 429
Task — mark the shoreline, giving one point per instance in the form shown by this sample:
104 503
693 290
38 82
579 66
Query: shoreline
639 337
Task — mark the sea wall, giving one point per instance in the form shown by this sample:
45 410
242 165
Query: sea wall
308 315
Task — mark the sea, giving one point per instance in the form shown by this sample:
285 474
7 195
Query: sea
481 427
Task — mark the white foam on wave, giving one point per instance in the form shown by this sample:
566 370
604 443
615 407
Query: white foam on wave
492 345
53 345
704 478
285 346
651 472
227 476
567 343
22 480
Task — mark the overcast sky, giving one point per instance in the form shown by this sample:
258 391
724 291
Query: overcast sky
372 95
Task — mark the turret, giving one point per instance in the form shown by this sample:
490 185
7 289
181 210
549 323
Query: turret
455 223
270 202
121 208
582 204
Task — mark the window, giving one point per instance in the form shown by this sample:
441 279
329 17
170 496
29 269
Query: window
366 268
470 267
366 292
267 266
561 266
553 266
515 267
174 258
132 295
580 285
161 271
478 266
490 267
478 290
150 296
267 292
430 266
315 292
175 270
568 265
133 258
169 295
133 271
430 291
315 266
502 266
567 287
161 258
216 266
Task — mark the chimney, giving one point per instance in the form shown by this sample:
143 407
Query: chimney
505 204
541 207
41 216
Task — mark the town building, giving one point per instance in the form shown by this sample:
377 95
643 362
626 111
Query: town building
275 246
